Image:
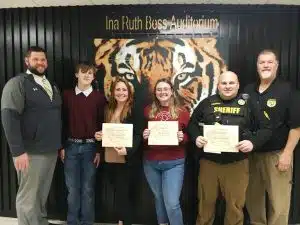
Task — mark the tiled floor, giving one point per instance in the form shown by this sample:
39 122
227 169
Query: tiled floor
8 221
13 221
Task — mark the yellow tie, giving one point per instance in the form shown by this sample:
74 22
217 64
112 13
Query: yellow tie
47 88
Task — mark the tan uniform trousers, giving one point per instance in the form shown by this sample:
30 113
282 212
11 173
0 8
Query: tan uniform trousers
265 178
232 180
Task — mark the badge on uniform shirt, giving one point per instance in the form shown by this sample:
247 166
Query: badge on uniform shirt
241 102
271 102
245 96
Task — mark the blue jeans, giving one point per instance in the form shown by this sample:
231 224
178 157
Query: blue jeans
80 180
165 179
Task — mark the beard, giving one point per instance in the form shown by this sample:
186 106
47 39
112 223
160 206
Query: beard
35 71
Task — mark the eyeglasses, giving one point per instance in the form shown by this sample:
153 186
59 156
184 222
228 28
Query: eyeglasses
163 89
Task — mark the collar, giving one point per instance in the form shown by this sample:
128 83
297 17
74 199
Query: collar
86 92
228 100
269 88
36 77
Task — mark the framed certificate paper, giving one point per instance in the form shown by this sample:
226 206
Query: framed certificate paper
163 133
117 135
221 138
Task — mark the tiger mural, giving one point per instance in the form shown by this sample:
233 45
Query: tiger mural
192 64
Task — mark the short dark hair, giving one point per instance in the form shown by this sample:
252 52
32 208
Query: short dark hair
34 49
268 51
84 67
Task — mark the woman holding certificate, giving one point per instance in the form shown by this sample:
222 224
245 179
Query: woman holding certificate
165 152
120 159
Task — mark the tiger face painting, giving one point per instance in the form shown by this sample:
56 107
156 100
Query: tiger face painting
192 64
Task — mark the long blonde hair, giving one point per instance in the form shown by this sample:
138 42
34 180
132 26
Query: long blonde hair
156 106
112 103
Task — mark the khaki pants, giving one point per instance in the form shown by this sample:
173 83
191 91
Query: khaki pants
34 186
232 180
266 178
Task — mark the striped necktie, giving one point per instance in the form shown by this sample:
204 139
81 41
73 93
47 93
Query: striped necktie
47 88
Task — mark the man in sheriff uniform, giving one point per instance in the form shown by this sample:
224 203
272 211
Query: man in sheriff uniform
271 165
225 172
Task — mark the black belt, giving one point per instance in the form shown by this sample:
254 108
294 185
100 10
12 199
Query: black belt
82 141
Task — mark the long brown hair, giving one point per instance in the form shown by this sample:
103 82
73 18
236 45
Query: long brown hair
156 106
112 103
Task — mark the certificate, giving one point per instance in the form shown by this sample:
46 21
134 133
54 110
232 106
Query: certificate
221 138
163 133
117 135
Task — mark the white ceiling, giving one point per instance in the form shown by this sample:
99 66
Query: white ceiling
40 3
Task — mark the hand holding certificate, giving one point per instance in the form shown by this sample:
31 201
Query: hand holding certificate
117 135
163 133
221 138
